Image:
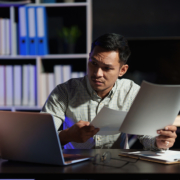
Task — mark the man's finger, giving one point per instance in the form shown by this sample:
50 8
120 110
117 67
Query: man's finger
170 128
167 133
165 138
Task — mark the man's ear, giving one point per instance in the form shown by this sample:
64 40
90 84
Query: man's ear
123 70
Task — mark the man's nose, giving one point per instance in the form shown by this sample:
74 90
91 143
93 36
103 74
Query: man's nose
98 72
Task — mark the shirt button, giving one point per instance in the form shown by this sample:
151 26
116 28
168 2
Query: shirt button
98 138
111 96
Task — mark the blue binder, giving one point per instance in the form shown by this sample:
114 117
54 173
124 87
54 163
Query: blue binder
32 30
23 31
41 30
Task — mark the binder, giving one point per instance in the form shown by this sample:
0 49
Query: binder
74 74
32 34
66 72
9 85
23 31
25 82
7 48
32 85
58 74
42 30
2 85
3 36
50 78
44 93
164 157
17 84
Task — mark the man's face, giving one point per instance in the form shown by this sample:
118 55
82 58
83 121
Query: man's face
103 70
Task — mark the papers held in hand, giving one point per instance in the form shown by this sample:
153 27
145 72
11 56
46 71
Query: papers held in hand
154 107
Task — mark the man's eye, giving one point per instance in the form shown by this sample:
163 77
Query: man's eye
94 63
107 68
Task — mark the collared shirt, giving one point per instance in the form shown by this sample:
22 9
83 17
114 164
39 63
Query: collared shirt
75 100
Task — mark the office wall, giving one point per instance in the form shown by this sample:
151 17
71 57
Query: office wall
136 18
152 28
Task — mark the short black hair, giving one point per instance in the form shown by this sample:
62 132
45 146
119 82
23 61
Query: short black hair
114 42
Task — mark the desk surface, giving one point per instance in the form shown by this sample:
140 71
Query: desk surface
12 169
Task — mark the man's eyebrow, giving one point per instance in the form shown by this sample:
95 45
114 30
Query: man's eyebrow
94 59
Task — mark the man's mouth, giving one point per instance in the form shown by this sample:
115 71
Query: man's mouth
97 82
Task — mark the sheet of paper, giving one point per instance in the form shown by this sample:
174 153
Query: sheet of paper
109 121
154 107
169 156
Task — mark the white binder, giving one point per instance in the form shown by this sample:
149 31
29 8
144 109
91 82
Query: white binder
17 85
25 93
58 73
2 85
9 85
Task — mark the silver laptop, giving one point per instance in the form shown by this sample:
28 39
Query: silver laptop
32 137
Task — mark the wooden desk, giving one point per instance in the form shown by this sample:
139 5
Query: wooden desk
88 170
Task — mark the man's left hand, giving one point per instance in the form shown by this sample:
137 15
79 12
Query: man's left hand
166 137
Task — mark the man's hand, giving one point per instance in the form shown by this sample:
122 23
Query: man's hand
79 132
166 137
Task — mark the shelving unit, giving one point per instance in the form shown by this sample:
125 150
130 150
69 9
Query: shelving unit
40 60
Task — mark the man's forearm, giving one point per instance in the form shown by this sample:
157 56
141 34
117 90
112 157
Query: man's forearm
64 137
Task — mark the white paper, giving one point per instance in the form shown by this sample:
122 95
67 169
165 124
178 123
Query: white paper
109 121
154 107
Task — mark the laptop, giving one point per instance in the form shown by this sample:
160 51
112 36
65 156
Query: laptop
32 137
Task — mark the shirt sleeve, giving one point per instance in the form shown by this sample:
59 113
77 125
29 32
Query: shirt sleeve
149 143
56 105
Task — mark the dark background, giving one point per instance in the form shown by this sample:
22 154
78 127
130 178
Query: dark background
153 31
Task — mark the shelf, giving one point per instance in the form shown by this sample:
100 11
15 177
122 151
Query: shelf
58 15
52 56
60 4
20 107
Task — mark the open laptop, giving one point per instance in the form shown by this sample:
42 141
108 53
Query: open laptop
32 137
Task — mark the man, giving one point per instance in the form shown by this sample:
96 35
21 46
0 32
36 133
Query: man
76 102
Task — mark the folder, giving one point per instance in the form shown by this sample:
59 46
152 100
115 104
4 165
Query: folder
50 79
58 74
42 30
7 32
17 84
66 72
32 85
25 82
32 34
164 157
23 31
9 85
44 93
3 36
2 85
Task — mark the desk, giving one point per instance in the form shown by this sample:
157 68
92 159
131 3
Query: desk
86 169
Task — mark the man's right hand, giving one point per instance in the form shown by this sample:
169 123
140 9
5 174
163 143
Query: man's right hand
79 132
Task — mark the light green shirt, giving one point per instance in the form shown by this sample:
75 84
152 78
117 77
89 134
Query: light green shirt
75 100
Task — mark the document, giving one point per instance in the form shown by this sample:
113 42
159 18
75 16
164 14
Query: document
154 107
165 157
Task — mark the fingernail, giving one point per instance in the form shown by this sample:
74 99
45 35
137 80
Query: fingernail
158 132
166 128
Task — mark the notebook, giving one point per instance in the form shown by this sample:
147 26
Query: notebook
164 157
32 137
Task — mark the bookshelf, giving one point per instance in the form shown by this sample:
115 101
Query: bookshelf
79 13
